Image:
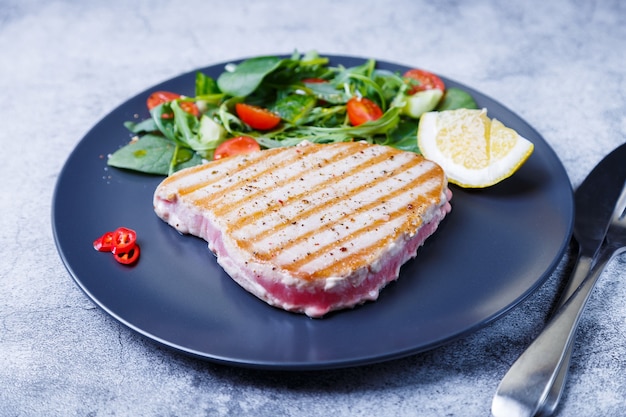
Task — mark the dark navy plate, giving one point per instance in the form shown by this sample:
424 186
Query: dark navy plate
495 248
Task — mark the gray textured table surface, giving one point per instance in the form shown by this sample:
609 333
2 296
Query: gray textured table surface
65 64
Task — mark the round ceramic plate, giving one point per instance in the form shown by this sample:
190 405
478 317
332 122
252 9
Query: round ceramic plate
493 250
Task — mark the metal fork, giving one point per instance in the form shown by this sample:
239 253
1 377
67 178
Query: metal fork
532 391
553 397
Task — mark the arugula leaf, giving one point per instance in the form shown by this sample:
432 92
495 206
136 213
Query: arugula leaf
247 76
365 70
333 116
391 84
369 87
367 130
293 141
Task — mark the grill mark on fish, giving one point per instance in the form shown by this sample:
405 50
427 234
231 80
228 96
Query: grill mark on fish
297 157
222 172
353 261
183 175
343 254
324 206
248 219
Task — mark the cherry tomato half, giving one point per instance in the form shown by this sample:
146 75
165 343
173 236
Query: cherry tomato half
236 146
314 80
427 81
104 243
257 117
124 239
361 110
127 257
160 97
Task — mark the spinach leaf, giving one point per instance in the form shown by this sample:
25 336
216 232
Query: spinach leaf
163 118
247 76
205 85
327 92
291 72
150 154
294 107
456 98
144 126
404 136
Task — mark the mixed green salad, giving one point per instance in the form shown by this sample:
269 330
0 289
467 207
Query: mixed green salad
268 102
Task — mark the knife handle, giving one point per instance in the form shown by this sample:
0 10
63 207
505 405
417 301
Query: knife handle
580 272
527 384
578 275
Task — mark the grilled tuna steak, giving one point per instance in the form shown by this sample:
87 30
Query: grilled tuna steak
311 228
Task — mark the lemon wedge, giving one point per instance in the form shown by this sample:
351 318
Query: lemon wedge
473 150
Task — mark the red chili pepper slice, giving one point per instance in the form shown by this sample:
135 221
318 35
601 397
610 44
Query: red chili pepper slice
122 243
104 243
129 257
124 239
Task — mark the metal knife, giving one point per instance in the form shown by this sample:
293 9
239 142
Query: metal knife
594 202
